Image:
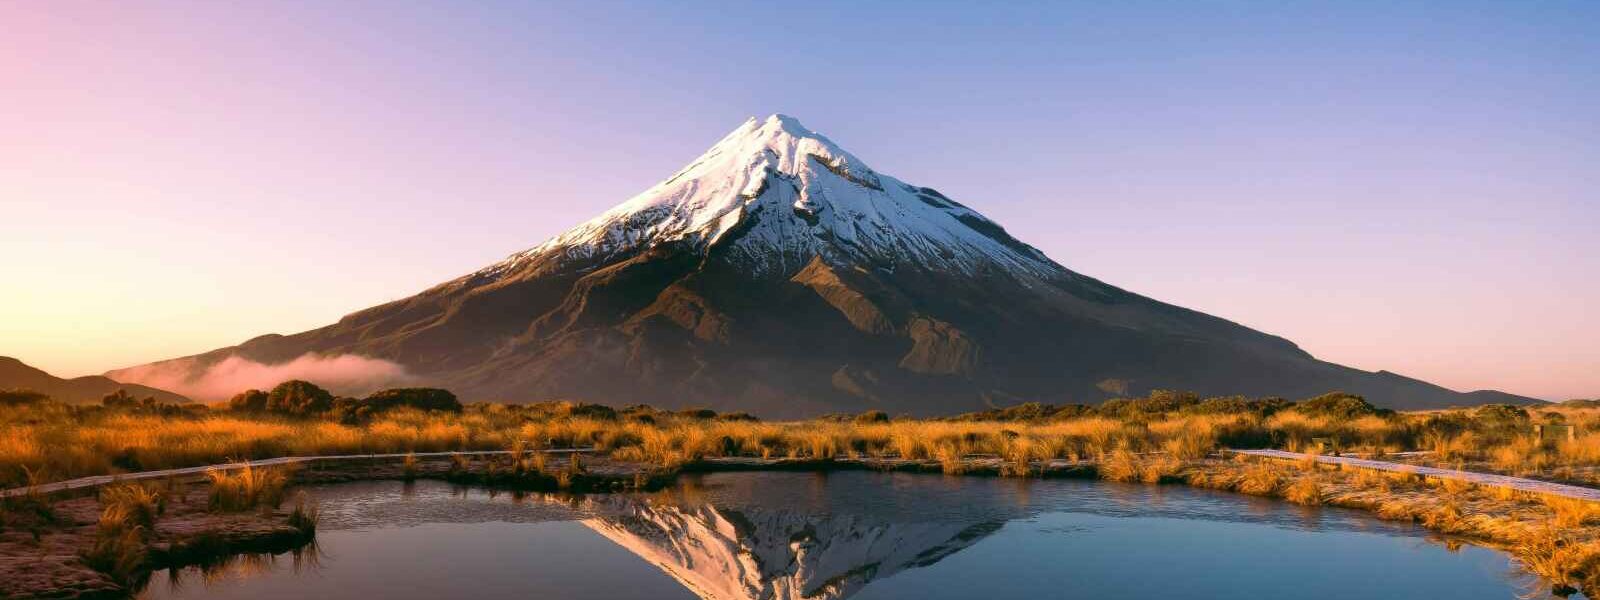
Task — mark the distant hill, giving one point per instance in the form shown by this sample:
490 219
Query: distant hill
1419 387
14 374
1498 397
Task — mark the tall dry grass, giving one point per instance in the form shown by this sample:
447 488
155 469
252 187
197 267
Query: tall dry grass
60 444
246 488
61 447
1556 538
127 518
305 515
53 443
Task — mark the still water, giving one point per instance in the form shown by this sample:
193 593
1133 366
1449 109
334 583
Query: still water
855 535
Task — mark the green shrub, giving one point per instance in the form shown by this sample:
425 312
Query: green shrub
299 398
565 408
352 410
1340 405
22 397
1496 416
1157 403
1238 405
419 398
122 401
251 401
872 416
698 413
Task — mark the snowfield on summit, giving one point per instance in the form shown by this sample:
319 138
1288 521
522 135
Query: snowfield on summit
780 274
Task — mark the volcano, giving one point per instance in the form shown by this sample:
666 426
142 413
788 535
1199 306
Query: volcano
779 274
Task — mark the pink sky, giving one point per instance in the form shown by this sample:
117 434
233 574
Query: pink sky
1410 189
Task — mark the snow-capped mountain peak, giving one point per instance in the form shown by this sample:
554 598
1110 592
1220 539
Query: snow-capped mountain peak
781 275
777 194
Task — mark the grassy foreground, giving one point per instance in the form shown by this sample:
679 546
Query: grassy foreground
47 441
105 543
1166 437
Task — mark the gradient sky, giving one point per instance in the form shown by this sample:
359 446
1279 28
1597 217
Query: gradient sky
1392 185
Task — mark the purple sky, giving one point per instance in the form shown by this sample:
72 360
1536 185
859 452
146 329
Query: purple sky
1394 186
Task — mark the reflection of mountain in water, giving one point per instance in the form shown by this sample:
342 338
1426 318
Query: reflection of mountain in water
726 554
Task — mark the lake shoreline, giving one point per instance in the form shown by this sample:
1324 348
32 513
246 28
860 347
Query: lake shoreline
49 558
1479 515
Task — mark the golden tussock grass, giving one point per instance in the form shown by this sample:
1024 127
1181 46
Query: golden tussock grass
1560 557
127 517
1120 465
950 458
1304 490
130 504
61 443
100 443
304 516
1556 538
1259 479
118 552
1572 512
1190 444
1159 468
65 447
246 488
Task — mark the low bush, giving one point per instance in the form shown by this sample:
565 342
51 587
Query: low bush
22 397
353 411
122 535
1339 405
298 398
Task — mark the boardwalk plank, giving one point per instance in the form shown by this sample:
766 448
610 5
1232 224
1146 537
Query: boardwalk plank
1506 481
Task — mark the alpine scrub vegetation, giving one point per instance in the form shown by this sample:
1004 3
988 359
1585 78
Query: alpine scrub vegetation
127 545
57 441
1164 438
127 521
304 516
246 488
100 440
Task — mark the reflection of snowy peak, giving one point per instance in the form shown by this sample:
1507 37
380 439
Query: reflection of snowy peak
776 194
765 555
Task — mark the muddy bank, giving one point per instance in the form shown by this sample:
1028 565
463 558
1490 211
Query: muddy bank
42 549
45 537
977 465
564 471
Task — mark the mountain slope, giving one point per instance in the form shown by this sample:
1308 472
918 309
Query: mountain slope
780 274
14 375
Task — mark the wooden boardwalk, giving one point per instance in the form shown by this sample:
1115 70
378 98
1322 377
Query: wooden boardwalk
1517 483
98 480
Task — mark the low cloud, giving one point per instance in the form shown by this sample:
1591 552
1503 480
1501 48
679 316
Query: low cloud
346 374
